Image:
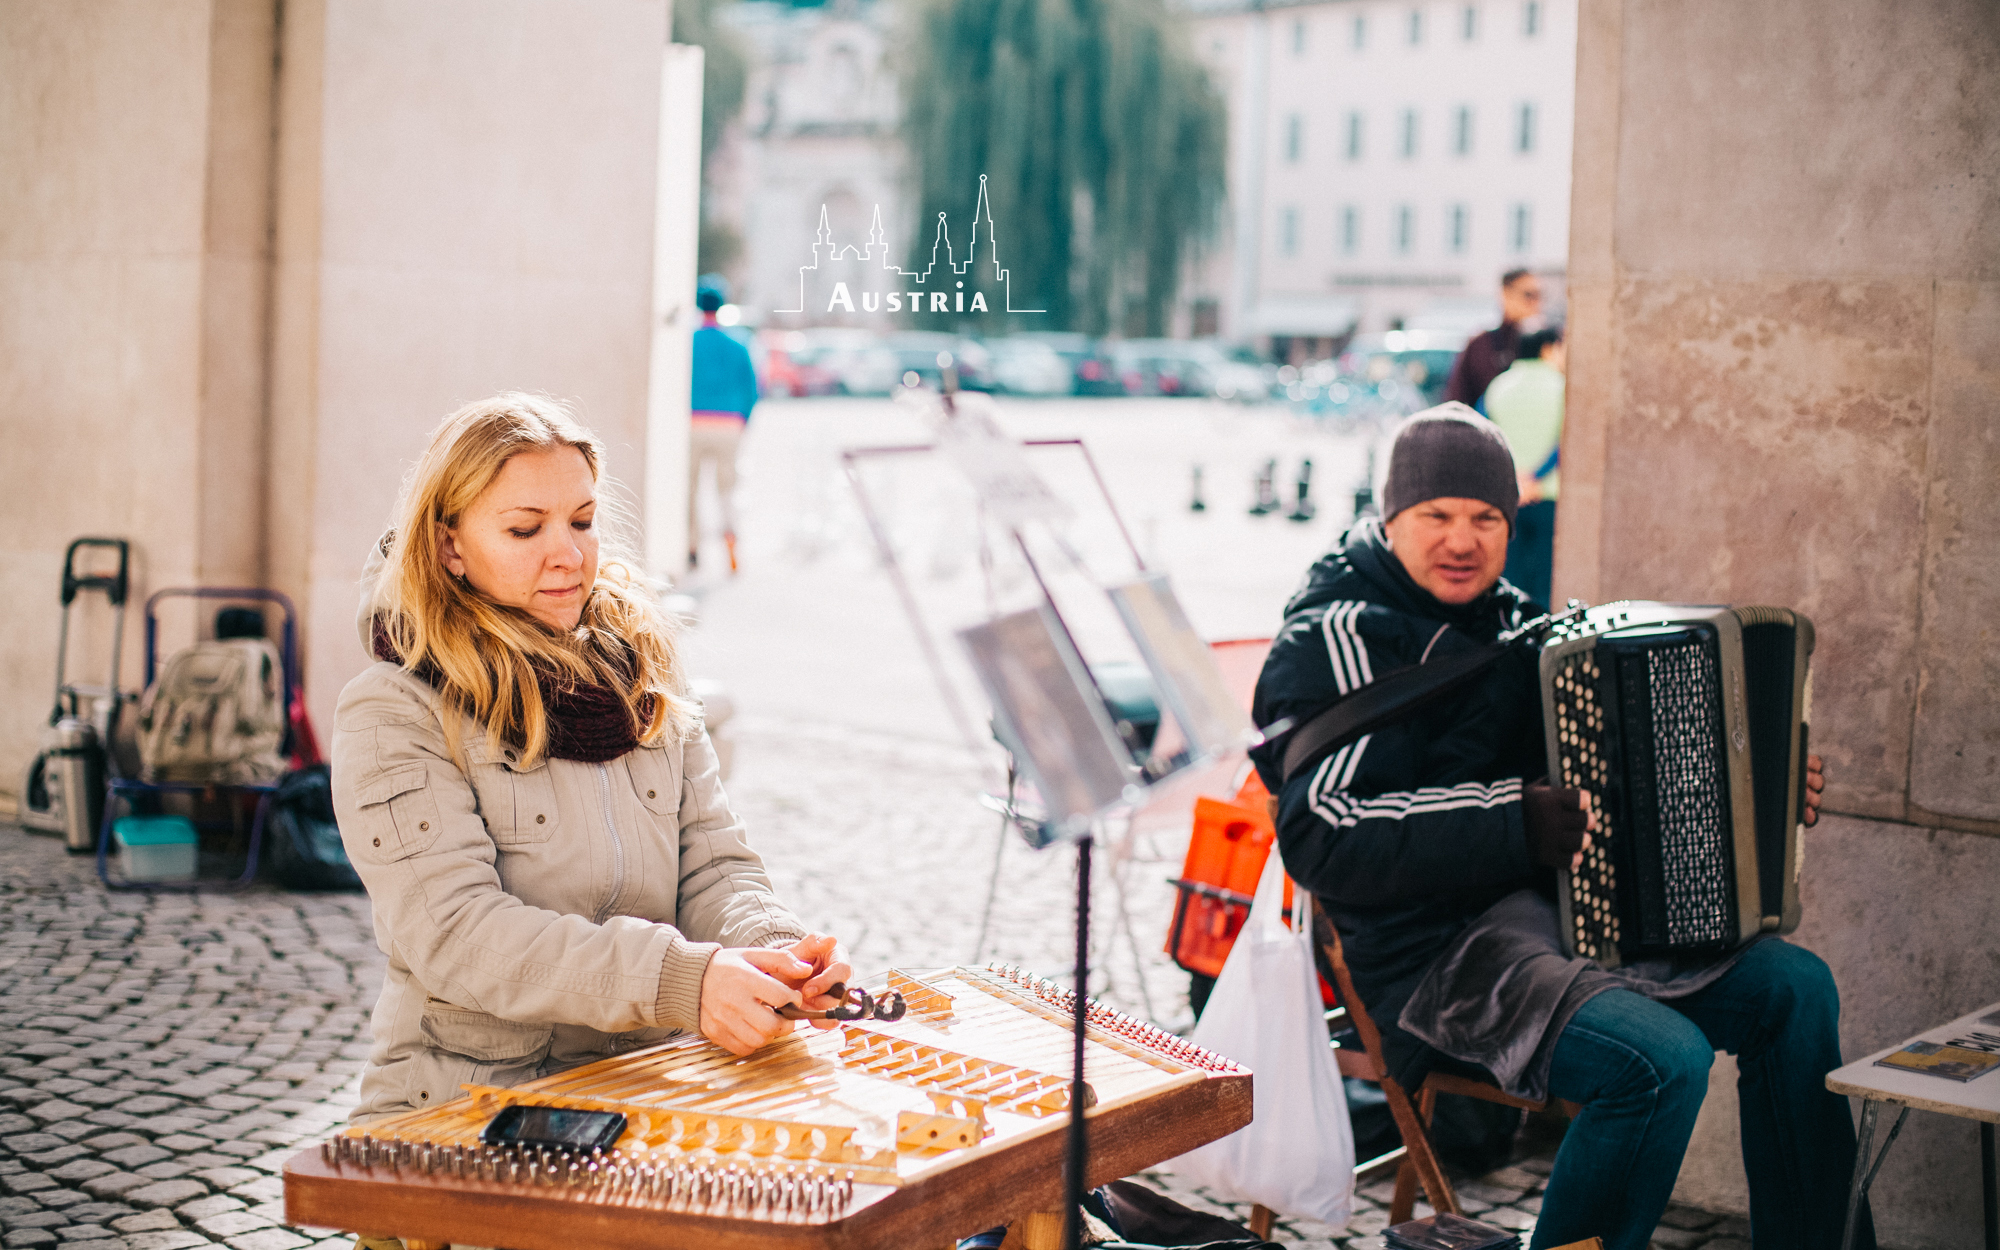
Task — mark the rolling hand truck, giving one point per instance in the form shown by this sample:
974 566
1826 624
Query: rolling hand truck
63 791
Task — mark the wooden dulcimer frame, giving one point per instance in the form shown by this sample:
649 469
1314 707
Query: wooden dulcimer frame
904 1134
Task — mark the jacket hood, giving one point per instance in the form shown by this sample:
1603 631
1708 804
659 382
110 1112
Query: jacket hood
1363 552
371 585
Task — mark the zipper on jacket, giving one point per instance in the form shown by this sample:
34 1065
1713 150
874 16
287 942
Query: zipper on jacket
617 846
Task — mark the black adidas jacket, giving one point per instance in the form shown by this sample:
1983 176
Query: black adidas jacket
1408 834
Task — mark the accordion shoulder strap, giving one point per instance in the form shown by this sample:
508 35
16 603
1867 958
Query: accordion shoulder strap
1390 698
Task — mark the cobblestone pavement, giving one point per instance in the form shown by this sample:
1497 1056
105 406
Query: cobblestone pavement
1510 1198
160 1057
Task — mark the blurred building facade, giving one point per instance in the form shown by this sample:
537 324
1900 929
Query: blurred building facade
1784 387
1388 161
252 252
818 130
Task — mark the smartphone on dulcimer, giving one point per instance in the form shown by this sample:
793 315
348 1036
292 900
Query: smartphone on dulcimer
558 1128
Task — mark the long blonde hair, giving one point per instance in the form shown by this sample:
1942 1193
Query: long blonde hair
485 658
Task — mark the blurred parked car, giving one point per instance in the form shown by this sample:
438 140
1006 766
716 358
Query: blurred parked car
1092 369
1236 370
1320 390
812 362
1025 366
1144 367
916 351
1187 367
1417 358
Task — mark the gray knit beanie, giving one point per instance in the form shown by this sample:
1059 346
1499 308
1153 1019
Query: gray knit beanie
1450 452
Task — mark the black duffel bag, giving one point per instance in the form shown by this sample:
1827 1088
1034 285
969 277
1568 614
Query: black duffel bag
302 849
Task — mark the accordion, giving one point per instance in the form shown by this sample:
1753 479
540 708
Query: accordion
1687 726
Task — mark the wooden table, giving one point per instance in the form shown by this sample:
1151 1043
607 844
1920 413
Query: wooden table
1976 1099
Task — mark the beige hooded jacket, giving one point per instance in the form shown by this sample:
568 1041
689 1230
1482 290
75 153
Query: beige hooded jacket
534 917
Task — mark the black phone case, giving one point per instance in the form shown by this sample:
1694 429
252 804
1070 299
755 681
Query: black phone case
500 1130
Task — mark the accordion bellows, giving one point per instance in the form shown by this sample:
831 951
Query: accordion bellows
1687 725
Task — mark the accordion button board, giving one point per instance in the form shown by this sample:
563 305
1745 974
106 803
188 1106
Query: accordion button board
1687 726
913 1133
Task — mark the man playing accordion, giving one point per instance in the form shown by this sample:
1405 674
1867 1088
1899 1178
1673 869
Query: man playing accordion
1433 845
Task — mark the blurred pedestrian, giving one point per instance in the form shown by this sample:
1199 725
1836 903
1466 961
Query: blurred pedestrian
1526 402
1487 356
724 392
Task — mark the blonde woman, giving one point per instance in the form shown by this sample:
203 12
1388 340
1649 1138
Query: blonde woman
528 794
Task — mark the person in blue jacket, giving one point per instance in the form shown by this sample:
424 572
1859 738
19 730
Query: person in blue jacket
724 392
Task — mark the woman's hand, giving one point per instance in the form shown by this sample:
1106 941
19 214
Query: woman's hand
829 967
1815 782
739 991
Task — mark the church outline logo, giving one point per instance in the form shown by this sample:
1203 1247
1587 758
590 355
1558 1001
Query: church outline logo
842 298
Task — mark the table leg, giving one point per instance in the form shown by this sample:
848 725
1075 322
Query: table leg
1989 1184
1864 1179
1864 1138
1036 1230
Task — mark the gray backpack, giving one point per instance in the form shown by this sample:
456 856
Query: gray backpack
216 716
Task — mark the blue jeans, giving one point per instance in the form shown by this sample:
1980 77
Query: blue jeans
1639 1068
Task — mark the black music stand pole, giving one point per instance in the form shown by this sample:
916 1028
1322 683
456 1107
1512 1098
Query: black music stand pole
1076 1154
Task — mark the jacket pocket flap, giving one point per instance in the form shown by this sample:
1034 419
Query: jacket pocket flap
487 1038
389 785
478 751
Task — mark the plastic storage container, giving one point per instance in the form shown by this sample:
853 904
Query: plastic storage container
154 848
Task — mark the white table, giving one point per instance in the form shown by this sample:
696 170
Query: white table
1976 1099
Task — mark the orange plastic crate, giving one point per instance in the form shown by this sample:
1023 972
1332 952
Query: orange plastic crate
1218 881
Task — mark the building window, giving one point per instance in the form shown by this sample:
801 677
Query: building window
1459 215
1354 128
1295 142
1416 26
1406 229
1524 129
1298 37
1531 18
1409 133
1470 19
1521 233
1288 231
1360 32
1461 130
1350 230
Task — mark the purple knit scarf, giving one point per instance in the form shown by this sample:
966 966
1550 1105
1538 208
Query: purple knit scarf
588 723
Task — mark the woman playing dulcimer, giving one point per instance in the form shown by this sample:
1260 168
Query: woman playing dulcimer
529 795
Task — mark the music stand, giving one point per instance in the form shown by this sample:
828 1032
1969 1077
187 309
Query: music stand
1047 708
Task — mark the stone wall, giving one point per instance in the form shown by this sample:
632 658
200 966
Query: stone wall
133 273
254 252
1785 388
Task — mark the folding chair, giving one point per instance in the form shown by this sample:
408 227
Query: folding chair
1419 1164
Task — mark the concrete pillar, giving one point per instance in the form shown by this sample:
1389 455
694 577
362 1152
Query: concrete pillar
1784 323
675 317
466 205
134 253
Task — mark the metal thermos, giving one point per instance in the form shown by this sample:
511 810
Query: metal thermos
75 770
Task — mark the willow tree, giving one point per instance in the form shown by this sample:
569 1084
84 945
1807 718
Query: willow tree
1100 136
725 73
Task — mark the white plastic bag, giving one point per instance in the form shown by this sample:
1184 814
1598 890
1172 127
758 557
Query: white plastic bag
1297 1155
